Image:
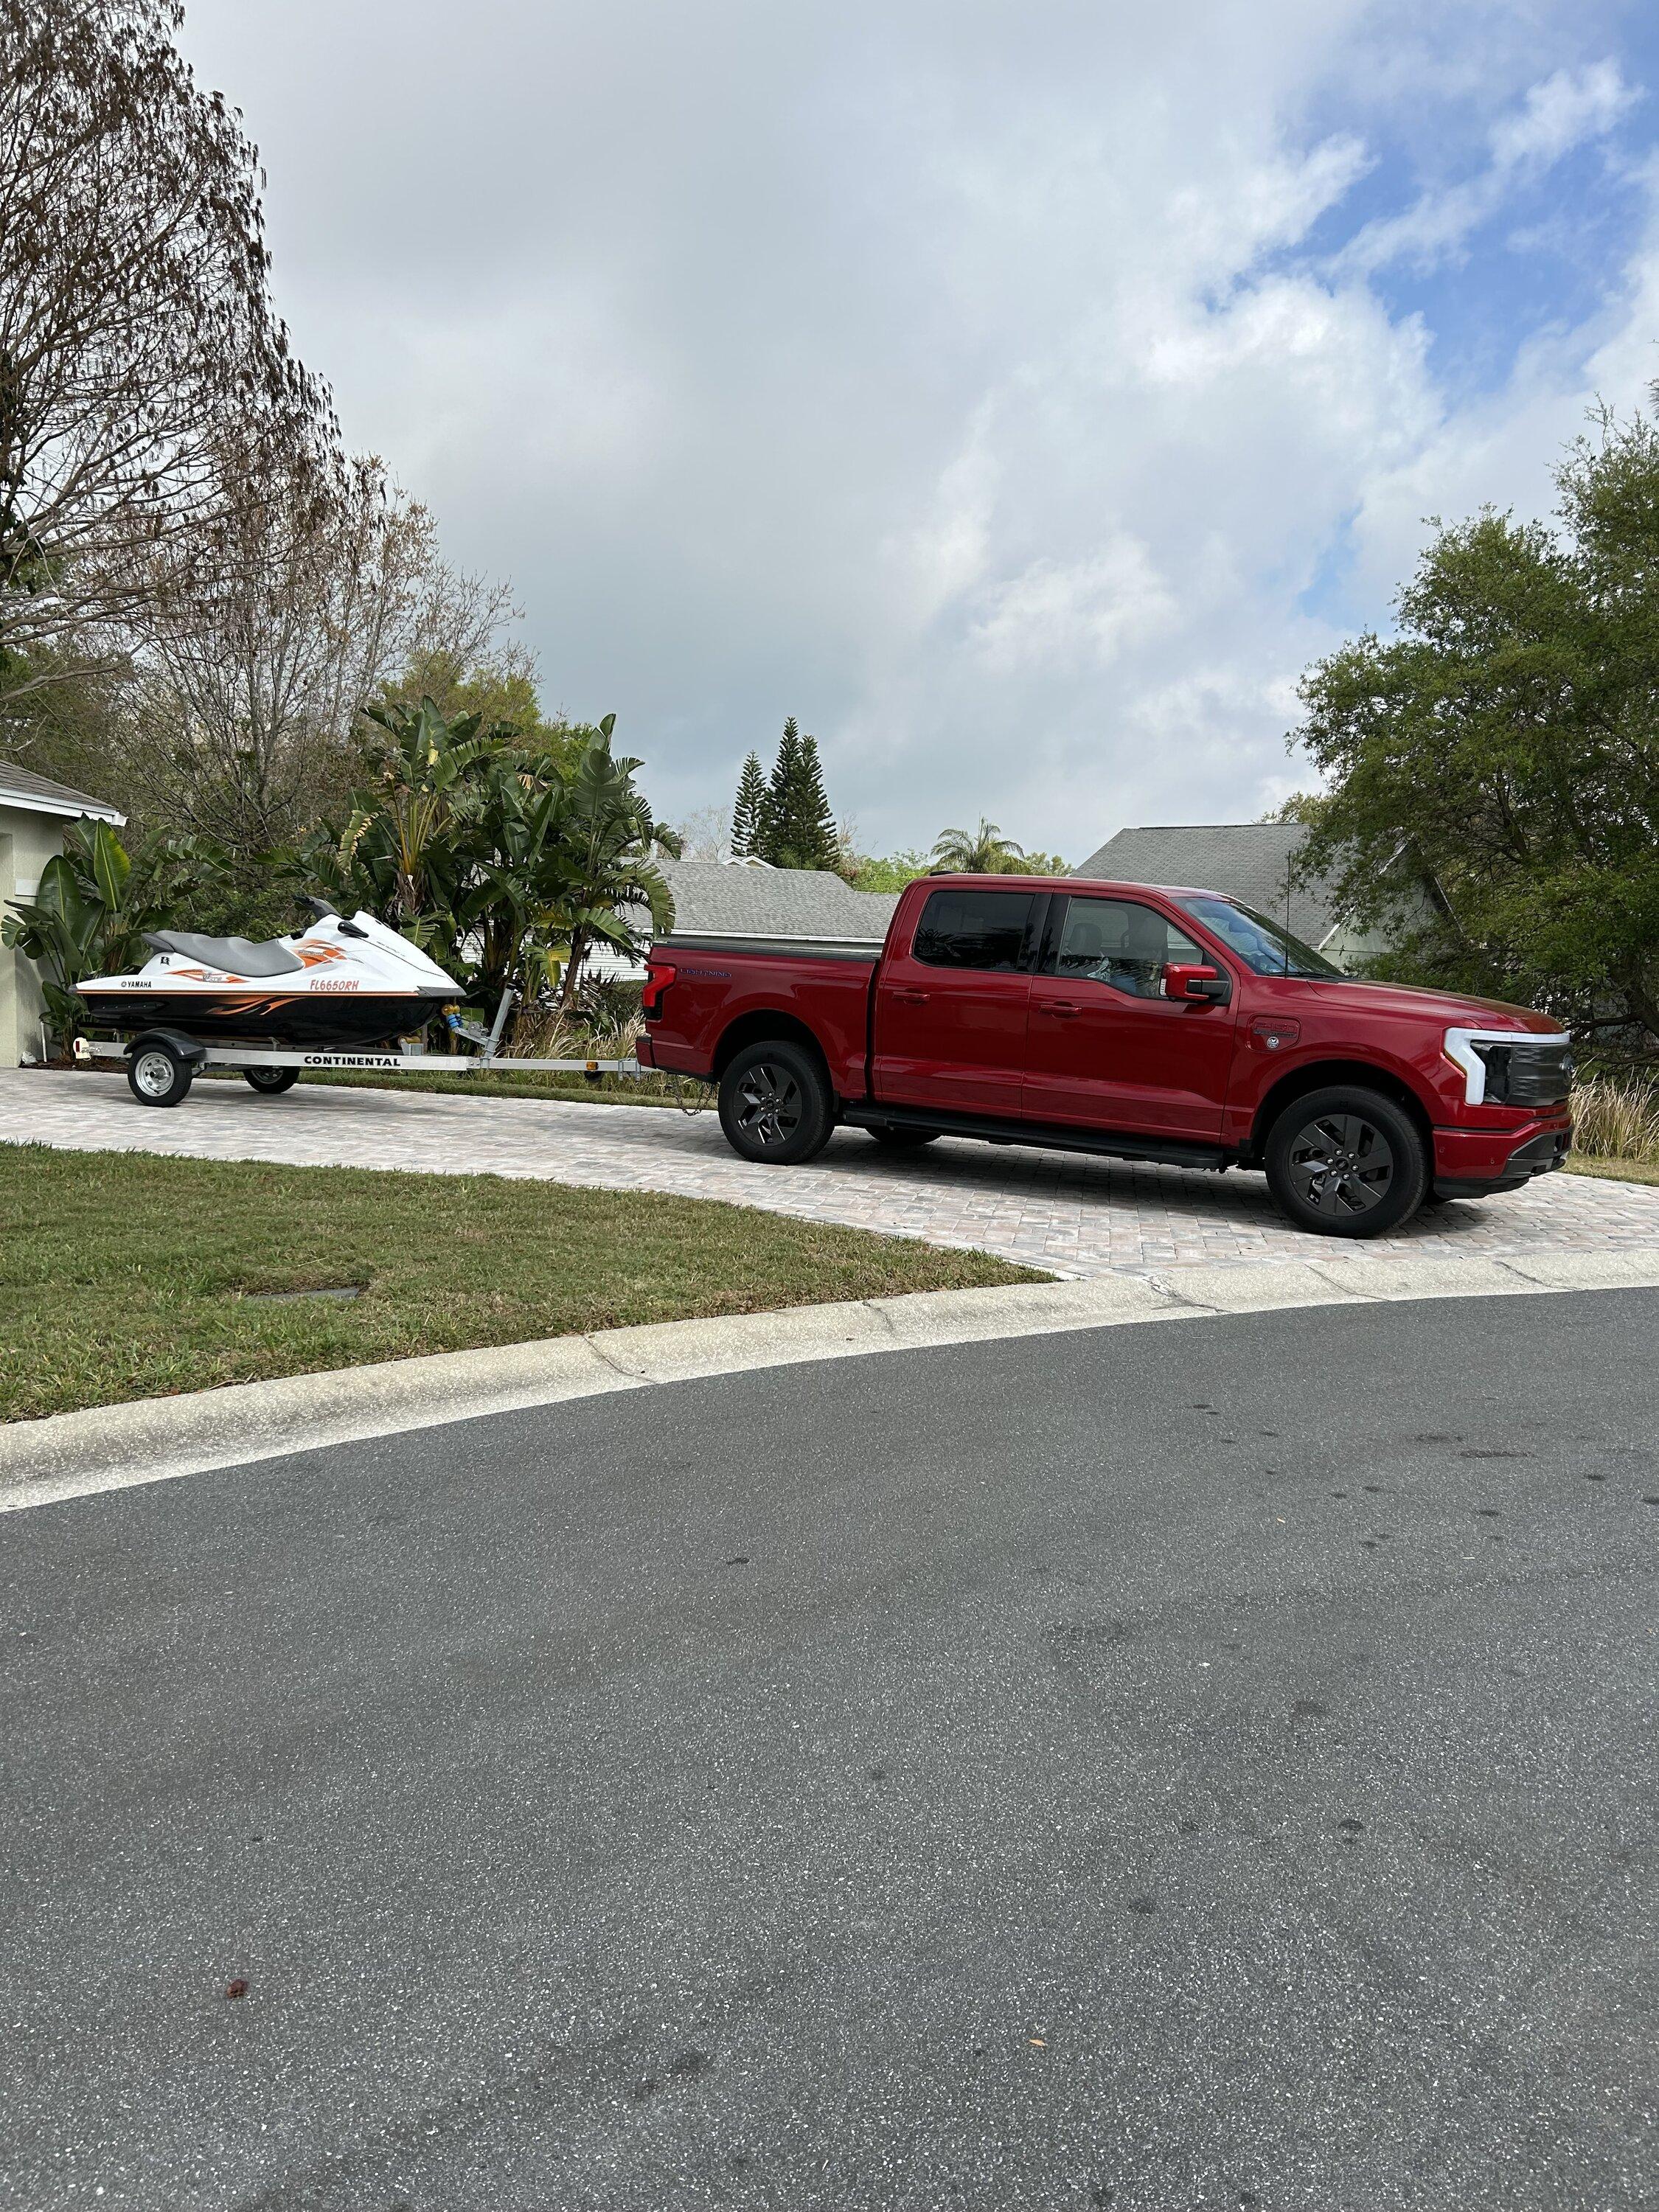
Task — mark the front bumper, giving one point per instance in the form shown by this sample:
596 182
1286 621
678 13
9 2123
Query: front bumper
1475 1163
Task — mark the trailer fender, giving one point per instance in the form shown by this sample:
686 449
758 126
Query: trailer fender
190 1049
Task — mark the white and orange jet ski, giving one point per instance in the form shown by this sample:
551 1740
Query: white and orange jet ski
337 986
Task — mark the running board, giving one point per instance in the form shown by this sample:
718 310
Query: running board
1048 1136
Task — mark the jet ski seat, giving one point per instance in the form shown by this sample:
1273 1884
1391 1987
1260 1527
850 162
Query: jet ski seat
237 955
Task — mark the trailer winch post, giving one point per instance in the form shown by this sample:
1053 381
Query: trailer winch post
493 1041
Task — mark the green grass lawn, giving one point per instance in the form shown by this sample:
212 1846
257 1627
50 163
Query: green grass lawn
1587 1163
124 1275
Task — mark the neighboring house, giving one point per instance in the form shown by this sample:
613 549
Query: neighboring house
747 898
1248 861
32 812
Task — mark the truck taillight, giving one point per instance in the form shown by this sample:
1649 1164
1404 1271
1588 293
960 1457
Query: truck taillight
658 977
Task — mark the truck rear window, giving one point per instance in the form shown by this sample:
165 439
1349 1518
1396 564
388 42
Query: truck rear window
973 929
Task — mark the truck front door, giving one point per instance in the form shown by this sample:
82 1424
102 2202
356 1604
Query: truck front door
1106 1047
950 1013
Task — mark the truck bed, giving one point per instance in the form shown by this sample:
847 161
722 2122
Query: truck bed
823 983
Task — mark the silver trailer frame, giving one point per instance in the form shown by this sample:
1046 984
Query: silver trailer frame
487 1059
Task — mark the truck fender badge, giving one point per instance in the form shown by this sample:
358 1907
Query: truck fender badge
1272 1034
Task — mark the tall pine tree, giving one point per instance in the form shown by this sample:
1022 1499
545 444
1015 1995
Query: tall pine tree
815 835
749 810
798 829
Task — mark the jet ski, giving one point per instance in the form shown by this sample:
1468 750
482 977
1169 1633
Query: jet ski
337 986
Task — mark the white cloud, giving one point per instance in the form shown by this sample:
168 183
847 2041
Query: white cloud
957 376
1562 112
1054 616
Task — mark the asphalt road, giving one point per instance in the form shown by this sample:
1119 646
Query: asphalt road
1208 1765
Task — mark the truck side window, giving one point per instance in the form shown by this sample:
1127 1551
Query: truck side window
973 929
1119 942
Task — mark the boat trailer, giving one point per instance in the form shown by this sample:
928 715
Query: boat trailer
163 1063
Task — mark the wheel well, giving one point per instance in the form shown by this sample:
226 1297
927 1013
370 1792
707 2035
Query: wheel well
762 1028
1319 1075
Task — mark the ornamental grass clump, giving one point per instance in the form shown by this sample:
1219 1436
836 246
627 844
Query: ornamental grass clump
1617 1118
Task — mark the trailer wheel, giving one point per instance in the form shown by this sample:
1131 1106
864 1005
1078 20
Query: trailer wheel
158 1076
270 1081
776 1104
894 1139
1346 1162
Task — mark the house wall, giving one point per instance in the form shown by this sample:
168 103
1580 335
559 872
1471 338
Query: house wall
1349 945
27 841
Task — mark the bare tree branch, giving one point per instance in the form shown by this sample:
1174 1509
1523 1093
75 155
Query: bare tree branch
137 340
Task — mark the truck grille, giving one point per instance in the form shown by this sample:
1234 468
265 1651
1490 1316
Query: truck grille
1531 1072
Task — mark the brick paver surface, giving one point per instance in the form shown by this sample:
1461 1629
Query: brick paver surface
1074 1215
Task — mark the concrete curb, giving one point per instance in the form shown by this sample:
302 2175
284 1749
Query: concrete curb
157 1439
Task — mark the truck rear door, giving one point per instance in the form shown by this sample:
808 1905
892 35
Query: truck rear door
950 1005
1107 1049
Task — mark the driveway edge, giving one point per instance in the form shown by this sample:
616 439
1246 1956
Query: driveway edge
158 1439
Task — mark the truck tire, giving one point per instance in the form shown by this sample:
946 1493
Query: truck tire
1346 1162
157 1075
271 1082
776 1104
897 1139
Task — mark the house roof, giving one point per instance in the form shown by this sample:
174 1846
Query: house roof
712 898
39 794
1248 861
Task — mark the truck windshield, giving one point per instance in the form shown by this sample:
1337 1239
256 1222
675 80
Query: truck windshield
1260 943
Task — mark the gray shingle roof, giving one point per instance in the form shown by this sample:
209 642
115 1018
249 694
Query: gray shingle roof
714 900
40 795
1247 860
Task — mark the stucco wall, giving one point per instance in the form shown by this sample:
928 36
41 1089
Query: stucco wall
27 841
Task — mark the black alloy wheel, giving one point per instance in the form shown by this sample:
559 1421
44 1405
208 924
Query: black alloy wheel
1341 1164
1347 1163
769 1105
776 1104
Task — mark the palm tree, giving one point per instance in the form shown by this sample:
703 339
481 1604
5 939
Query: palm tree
981 851
606 841
507 865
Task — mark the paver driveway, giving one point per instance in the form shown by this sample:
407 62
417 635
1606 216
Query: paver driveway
1074 1215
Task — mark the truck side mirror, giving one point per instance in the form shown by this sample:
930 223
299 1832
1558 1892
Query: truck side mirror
1184 979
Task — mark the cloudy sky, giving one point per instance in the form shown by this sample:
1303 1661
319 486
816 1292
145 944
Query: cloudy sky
1020 392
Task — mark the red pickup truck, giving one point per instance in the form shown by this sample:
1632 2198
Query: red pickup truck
1132 1020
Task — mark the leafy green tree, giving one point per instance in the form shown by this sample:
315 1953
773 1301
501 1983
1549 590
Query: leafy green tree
748 810
606 842
981 851
890 872
94 903
1506 739
506 864
498 686
798 829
